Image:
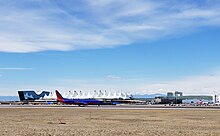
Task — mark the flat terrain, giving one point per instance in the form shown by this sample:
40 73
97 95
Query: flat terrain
87 121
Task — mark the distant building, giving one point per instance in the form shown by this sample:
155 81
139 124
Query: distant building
169 94
178 94
171 98
167 100
216 99
29 95
177 98
97 95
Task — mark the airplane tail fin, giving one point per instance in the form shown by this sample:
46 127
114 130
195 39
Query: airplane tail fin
59 97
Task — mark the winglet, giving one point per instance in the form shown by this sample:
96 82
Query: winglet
59 96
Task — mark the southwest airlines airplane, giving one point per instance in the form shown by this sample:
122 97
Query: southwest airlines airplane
78 101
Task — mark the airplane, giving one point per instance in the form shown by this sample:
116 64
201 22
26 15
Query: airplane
80 102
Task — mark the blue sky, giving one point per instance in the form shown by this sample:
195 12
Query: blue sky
137 47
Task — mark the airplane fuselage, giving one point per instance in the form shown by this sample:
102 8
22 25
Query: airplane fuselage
78 101
82 101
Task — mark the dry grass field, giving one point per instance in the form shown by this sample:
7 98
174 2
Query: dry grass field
75 121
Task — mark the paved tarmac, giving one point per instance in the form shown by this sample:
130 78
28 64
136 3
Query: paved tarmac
118 107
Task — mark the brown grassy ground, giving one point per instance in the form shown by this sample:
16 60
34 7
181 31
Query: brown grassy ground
72 121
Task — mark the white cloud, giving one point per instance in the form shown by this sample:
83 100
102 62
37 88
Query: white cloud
31 26
195 85
113 77
205 84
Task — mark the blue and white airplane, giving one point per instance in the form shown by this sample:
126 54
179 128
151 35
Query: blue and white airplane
79 102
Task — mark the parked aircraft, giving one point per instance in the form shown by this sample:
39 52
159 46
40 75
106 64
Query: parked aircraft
79 102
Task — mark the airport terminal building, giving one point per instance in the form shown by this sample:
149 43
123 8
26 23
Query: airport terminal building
31 95
122 97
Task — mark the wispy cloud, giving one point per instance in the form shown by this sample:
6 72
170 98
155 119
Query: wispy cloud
203 84
113 77
31 26
14 68
194 85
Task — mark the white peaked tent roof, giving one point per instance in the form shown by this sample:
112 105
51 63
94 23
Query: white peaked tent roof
95 94
52 95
